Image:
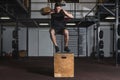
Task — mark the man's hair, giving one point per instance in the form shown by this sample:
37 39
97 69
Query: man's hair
57 4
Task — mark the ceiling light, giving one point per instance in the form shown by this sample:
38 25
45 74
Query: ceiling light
110 18
4 17
70 24
43 24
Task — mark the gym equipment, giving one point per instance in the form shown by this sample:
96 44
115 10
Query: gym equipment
118 43
101 54
118 58
14 34
45 10
14 44
101 44
118 30
101 34
63 65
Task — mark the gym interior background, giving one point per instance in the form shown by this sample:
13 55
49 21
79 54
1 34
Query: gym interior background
94 34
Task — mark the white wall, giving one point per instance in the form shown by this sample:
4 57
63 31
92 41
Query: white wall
39 42
7 39
45 44
33 42
22 38
90 38
83 39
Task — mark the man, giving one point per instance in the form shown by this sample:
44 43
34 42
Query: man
58 24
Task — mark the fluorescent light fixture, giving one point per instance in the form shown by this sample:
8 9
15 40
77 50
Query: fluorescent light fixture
43 24
4 17
70 24
110 18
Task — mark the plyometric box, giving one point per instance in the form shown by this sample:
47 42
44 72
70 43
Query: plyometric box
63 65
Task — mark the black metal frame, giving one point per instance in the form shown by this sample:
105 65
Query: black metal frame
1 53
116 26
15 19
116 14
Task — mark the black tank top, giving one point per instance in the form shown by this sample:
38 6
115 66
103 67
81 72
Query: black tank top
57 20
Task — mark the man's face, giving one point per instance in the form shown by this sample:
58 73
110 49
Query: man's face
58 8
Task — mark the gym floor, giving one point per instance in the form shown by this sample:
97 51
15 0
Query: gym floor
41 68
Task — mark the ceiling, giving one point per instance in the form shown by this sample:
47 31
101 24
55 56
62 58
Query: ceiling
18 12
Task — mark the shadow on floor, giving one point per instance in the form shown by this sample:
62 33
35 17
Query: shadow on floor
41 70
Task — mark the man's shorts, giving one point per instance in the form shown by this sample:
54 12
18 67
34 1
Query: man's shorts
60 31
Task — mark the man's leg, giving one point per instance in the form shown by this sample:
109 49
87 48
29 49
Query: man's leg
53 38
66 36
66 39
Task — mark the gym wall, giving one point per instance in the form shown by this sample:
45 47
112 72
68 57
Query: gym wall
39 42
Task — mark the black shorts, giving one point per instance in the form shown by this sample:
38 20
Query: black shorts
59 31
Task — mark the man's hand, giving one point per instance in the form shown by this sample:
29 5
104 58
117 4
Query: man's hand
67 14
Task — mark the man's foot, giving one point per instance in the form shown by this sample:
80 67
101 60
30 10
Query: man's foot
56 48
66 49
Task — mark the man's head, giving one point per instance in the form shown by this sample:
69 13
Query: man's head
57 7
58 4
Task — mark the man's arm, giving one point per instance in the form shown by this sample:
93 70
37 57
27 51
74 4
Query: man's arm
69 15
